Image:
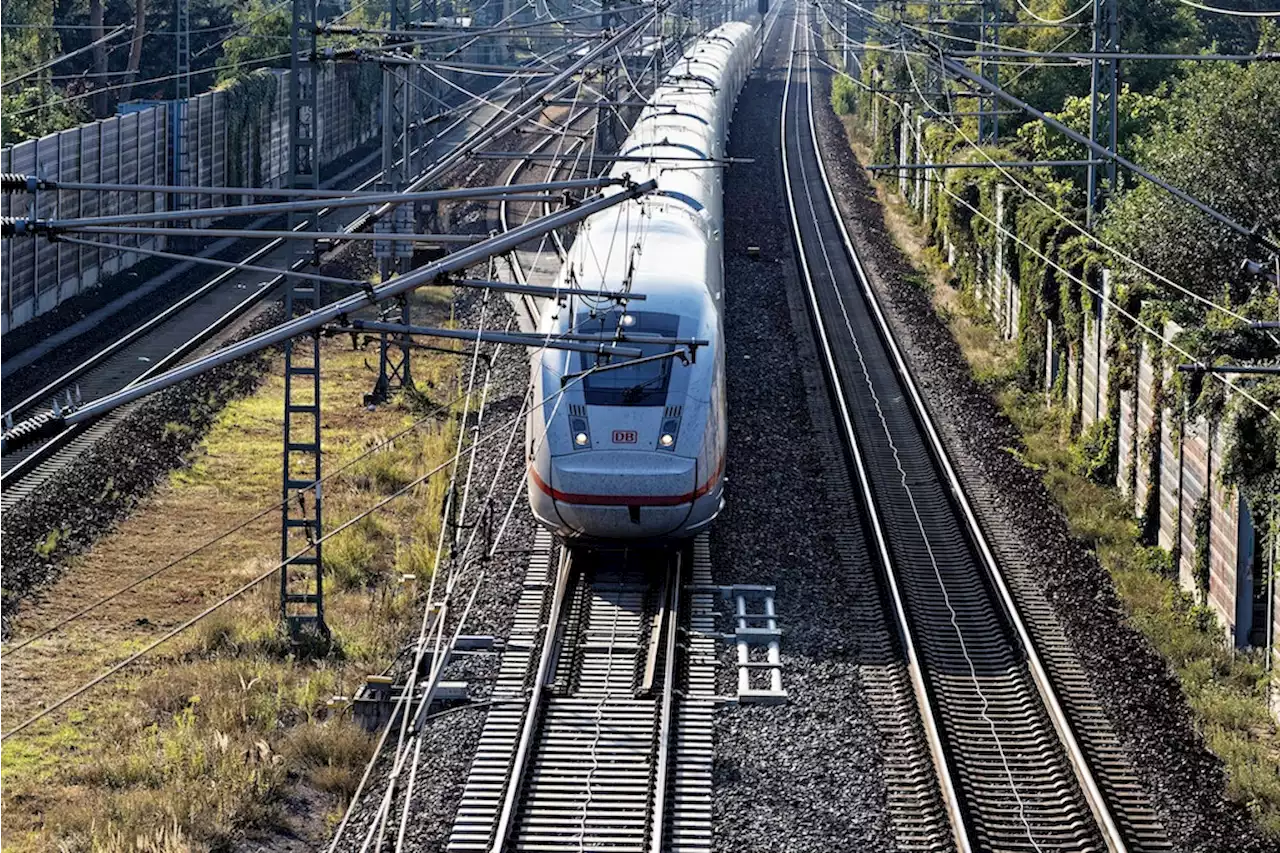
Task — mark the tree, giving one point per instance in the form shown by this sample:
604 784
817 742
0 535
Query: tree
1219 142
135 45
264 42
97 31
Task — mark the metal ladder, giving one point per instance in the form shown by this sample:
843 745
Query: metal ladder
301 576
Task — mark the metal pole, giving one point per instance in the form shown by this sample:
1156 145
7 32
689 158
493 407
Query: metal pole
393 361
1113 95
603 347
1091 178
179 168
988 127
302 579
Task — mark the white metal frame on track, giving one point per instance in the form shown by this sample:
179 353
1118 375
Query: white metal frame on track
1084 775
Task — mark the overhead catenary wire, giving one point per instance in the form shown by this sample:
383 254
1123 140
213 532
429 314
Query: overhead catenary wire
1135 319
123 28
1186 291
1050 207
1031 12
1231 386
134 83
1239 13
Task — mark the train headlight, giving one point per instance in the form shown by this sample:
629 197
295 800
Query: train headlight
580 431
667 438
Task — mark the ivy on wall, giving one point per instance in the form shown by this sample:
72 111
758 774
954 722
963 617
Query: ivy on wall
251 100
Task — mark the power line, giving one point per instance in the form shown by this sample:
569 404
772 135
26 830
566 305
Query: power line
52 62
1230 386
1239 13
1063 20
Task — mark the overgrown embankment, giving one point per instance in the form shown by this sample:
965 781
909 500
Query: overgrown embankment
227 733
1020 288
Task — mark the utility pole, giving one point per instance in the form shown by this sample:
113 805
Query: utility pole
989 39
393 349
1104 83
301 577
180 176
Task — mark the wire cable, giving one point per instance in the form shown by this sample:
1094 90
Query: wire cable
1023 5
1239 13
52 62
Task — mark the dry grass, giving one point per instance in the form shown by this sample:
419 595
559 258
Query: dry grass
222 733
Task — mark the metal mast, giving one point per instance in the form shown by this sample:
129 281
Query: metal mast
1104 86
393 255
301 577
181 93
989 40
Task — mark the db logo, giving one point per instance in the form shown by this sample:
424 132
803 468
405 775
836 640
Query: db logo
625 436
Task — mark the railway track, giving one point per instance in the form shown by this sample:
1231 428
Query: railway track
184 328
1025 759
600 738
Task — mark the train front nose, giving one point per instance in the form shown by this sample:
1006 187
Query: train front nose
611 494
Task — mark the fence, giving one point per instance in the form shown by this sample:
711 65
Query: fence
230 141
1167 466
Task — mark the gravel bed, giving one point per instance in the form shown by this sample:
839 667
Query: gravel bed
449 739
807 775
1138 692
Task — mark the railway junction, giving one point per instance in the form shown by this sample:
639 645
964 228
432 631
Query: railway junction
682 426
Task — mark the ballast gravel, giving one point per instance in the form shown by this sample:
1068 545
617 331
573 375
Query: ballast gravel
1139 694
449 737
806 775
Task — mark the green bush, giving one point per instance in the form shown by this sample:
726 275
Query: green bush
1094 453
844 96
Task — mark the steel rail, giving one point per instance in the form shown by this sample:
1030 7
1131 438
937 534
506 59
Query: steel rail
667 711
1100 809
1084 773
550 641
928 716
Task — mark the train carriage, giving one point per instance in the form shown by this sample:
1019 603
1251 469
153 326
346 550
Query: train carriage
635 451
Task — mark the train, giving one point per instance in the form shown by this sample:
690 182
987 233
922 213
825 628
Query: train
633 449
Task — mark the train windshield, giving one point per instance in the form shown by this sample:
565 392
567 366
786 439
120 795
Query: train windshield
643 384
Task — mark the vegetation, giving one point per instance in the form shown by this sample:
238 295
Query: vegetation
1202 127
228 733
229 39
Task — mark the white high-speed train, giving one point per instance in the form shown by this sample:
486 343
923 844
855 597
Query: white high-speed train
637 451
